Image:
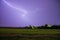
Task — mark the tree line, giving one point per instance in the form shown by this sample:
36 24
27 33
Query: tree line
46 26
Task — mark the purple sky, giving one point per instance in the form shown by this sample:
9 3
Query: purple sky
29 12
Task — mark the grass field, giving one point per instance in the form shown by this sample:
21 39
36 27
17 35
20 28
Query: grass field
29 31
29 34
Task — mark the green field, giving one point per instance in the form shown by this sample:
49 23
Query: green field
29 31
28 34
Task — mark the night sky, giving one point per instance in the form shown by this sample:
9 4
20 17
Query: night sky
29 12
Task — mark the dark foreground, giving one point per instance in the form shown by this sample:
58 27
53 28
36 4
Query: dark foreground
29 34
29 37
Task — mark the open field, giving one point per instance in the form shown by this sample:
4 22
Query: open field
29 31
29 34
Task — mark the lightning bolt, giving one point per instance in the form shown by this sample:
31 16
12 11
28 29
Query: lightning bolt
24 15
19 9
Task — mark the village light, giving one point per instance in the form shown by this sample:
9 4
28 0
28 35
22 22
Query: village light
48 25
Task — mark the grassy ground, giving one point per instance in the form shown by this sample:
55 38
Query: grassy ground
29 31
29 34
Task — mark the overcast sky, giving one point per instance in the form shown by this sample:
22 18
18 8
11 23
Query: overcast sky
29 12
